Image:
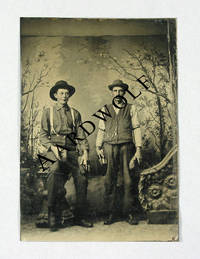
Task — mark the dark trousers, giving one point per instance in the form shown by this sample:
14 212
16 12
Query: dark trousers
60 172
118 174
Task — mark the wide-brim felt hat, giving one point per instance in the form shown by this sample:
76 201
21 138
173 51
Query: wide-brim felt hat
61 85
118 83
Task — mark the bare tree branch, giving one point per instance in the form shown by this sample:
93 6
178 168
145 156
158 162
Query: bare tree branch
43 73
26 102
148 77
122 68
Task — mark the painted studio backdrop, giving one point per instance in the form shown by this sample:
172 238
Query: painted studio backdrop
90 54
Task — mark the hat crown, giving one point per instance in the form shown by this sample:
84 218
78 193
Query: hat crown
61 83
118 81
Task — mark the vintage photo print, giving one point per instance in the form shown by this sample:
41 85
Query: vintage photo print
98 130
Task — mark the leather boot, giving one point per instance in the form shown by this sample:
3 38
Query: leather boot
132 220
52 220
83 223
109 220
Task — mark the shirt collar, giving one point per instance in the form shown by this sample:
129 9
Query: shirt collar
116 108
59 106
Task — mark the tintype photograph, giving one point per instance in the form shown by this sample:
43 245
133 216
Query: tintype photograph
99 130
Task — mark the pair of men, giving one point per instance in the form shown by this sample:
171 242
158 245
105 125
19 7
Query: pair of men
115 141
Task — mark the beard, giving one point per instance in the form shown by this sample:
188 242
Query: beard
119 100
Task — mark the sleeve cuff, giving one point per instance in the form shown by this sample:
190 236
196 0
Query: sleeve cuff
136 127
102 129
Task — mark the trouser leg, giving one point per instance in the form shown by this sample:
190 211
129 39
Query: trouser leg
126 152
111 153
56 184
56 194
81 183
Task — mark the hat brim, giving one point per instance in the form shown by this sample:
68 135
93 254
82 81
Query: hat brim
124 86
55 88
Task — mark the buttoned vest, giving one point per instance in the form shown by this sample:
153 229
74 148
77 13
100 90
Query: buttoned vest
118 129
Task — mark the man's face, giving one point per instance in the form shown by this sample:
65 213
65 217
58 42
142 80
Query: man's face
118 90
62 96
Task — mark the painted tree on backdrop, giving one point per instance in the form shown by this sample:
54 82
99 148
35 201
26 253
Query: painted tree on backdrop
34 76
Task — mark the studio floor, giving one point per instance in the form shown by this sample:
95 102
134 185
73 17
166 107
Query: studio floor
119 231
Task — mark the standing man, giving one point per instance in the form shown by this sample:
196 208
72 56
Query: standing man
57 123
119 141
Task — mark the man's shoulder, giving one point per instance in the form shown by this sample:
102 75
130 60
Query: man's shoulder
75 111
132 106
133 109
46 110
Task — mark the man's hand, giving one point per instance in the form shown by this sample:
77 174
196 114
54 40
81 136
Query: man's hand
100 153
101 156
84 160
137 157
55 151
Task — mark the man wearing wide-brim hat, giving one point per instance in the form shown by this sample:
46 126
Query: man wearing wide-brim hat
57 123
119 143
